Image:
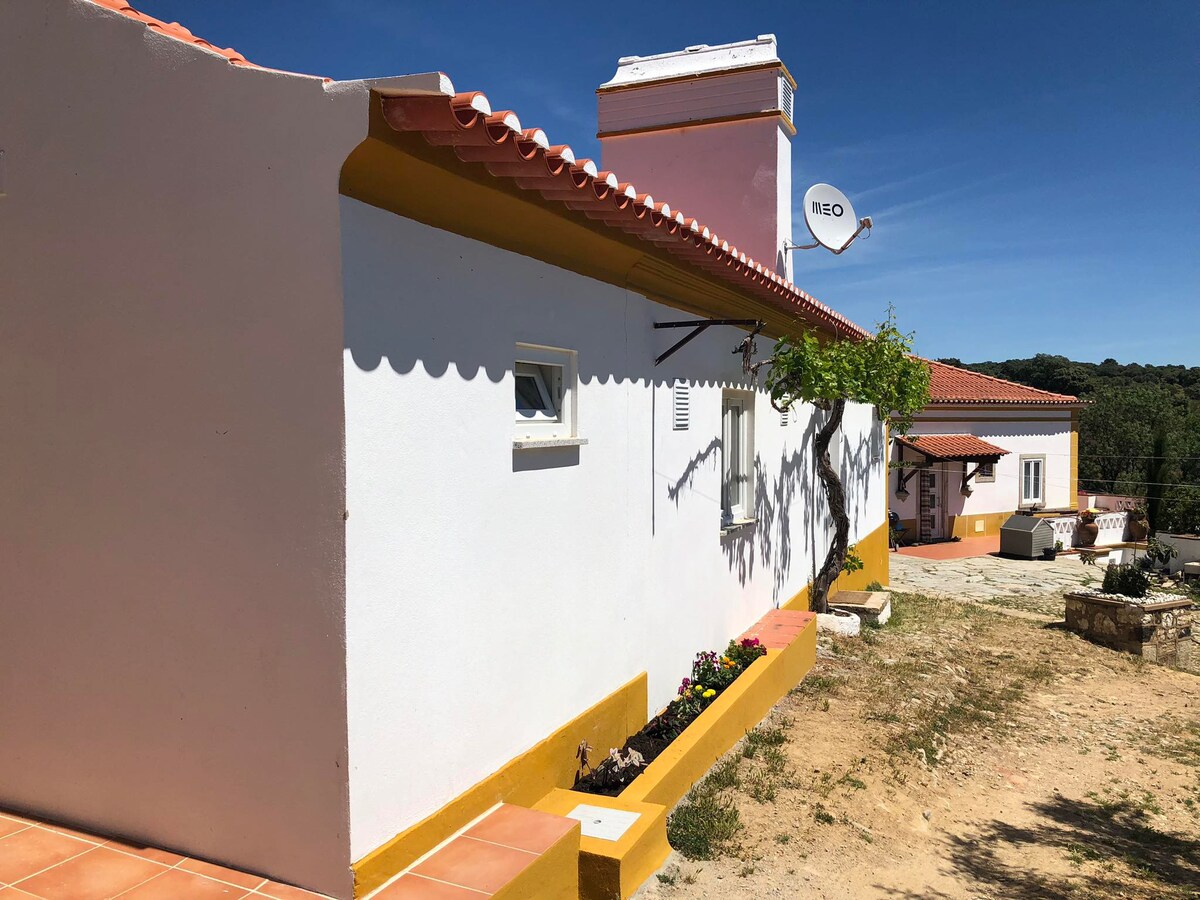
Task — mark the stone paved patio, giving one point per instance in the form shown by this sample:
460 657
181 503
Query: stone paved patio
1033 586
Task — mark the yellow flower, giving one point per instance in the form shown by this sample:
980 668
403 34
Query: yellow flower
699 689
709 693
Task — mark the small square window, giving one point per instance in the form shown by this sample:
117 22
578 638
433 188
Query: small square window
986 473
544 394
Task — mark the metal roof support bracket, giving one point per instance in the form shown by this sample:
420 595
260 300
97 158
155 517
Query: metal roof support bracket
699 326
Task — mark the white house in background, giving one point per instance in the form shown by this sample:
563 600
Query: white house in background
338 468
981 450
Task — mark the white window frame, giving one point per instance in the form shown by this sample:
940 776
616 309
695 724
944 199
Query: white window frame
1027 499
556 371
737 466
988 478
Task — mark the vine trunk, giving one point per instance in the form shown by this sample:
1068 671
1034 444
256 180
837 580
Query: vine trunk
835 495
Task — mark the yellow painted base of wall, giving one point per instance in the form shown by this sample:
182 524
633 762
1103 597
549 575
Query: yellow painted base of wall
524 780
613 870
968 526
876 557
551 764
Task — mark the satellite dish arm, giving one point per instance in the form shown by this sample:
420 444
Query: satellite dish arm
864 224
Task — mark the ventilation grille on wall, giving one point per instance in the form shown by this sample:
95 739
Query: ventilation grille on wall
785 96
785 417
680 404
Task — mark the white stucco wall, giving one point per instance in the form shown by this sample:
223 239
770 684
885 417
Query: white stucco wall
1025 433
1186 545
171 472
494 594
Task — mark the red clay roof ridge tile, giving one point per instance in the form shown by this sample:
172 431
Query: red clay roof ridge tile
449 121
182 34
617 204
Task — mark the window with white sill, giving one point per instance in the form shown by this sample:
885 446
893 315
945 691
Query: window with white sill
545 389
737 459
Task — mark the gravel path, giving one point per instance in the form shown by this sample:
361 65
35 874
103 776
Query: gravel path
1021 585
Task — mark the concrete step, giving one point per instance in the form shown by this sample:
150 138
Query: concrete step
510 853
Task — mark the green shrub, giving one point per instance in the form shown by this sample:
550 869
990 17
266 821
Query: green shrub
874 586
1127 580
703 826
1158 553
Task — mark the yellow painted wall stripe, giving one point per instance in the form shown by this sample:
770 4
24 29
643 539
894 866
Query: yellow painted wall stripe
551 763
523 781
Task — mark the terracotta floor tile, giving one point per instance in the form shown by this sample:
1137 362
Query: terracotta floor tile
154 854
12 816
277 891
28 852
176 884
963 549
475 864
75 833
414 887
792 615
232 876
525 829
11 826
96 875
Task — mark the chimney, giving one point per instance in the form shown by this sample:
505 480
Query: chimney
709 130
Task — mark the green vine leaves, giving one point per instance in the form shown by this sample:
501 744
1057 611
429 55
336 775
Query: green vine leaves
880 370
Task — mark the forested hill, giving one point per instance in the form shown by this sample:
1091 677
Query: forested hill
1065 376
1139 434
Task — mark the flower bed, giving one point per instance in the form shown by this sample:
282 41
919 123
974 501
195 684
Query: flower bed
711 675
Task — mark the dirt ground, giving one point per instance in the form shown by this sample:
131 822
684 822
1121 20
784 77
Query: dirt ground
959 752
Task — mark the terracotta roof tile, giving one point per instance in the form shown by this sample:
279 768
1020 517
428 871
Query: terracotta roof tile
466 123
950 384
178 32
952 446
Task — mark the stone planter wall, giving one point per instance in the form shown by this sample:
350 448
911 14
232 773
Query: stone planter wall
1158 629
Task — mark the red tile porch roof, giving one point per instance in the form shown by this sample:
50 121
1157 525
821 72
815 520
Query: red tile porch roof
466 123
950 384
952 446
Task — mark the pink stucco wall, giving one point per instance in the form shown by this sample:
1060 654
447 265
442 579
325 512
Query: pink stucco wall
171 444
735 177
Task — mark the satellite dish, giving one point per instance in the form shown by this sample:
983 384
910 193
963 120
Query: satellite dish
830 217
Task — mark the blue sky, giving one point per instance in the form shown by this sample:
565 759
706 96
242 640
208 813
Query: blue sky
1033 169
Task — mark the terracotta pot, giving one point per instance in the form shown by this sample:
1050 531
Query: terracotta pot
1087 532
1138 529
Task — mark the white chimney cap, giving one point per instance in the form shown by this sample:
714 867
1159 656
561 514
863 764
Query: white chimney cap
698 59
